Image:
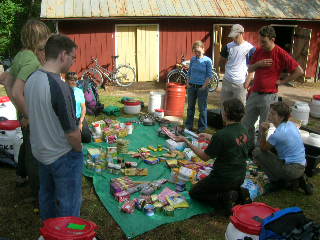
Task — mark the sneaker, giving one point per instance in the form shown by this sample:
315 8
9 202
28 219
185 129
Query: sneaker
305 185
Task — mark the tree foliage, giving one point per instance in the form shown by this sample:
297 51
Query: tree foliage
13 14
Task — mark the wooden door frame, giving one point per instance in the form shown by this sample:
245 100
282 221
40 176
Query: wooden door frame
287 25
214 36
136 25
316 79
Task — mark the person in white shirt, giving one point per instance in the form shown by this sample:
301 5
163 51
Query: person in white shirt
235 56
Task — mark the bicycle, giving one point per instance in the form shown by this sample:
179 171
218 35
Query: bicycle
180 74
124 75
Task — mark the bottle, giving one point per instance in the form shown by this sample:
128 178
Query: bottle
129 127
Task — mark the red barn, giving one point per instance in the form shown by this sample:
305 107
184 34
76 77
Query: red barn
152 35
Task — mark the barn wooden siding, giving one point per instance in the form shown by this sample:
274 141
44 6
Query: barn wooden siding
96 39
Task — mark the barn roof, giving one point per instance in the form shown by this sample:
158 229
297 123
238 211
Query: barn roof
271 9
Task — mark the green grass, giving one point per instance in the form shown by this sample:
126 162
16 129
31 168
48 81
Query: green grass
18 221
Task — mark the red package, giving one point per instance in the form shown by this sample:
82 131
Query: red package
122 196
128 207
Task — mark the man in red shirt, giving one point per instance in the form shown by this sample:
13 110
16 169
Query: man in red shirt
267 62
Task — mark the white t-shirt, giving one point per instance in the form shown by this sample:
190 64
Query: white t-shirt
237 61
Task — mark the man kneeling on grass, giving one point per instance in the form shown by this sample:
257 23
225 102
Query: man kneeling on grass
286 167
230 148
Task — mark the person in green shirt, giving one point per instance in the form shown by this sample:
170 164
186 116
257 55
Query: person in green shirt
34 35
229 146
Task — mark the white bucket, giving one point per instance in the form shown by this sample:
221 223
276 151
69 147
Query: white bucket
7 140
315 108
233 233
156 100
300 111
7 109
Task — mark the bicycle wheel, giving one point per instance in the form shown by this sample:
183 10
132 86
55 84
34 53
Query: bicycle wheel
93 75
214 82
125 75
177 76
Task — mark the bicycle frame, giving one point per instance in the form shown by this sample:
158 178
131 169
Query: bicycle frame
109 75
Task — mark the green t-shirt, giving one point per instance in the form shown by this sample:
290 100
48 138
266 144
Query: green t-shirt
230 148
24 64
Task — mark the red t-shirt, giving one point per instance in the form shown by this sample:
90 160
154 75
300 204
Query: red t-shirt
265 78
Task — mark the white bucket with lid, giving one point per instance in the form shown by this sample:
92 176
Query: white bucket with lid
7 109
315 106
300 111
156 100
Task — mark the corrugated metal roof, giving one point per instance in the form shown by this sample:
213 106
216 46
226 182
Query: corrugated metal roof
276 9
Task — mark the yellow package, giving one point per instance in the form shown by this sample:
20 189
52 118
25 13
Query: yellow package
177 201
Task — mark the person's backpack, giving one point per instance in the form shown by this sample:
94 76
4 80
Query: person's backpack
289 224
91 95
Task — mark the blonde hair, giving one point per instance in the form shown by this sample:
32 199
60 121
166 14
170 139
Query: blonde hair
33 34
197 44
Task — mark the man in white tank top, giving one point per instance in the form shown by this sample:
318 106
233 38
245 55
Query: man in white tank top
236 56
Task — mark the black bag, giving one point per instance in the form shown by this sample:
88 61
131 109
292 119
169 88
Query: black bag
289 224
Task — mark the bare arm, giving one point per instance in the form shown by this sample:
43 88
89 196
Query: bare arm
7 79
262 63
18 96
294 75
264 145
200 153
249 79
74 138
83 114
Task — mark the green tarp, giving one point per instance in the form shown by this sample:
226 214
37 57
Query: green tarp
138 223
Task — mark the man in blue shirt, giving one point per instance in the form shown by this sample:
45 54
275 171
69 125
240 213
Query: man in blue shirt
288 165
199 75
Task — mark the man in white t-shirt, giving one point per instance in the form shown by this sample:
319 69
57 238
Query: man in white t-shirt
236 56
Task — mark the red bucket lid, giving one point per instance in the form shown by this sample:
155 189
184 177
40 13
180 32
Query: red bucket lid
159 110
316 97
243 217
57 228
132 103
9 124
4 99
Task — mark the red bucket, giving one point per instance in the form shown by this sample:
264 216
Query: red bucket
68 228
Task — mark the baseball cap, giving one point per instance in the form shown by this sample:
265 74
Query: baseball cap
235 30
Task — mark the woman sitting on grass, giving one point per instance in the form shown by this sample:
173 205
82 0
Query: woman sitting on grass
230 148
286 167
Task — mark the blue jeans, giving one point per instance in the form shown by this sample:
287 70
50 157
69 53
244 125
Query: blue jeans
202 96
61 186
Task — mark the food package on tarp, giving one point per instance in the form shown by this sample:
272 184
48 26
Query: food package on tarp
177 201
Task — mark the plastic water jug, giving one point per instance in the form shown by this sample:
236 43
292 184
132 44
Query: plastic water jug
156 101
7 109
300 111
